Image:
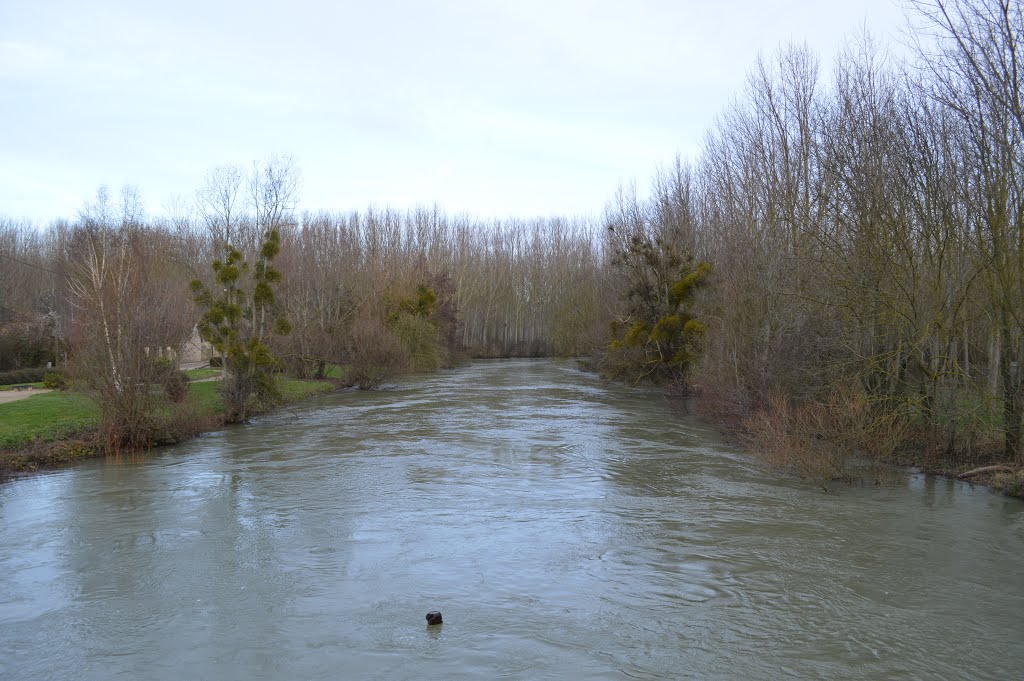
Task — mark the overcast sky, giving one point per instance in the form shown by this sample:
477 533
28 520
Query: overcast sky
495 108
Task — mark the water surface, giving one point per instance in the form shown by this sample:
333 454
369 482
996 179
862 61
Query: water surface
565 529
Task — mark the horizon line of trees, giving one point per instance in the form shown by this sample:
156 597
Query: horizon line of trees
381 290
839 271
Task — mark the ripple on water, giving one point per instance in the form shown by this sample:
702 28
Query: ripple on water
566 529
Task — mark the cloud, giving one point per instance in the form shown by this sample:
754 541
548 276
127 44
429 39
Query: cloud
28 60
500 107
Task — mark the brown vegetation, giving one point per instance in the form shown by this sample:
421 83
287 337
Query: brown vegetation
867 237
121 311
838 275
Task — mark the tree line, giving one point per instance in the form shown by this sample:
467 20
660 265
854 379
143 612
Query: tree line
866 232
379 292
838 273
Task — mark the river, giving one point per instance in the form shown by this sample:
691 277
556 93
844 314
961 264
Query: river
566 529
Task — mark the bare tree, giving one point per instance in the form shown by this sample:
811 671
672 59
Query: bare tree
975 72
123 315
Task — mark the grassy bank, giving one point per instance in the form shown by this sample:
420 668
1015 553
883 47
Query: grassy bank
46 418
58 428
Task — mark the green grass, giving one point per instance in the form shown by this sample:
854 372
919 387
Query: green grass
34 385
293 390
58 415
48 417
200 374
207 396
336 371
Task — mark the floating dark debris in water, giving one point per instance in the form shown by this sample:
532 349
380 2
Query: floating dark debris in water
433 617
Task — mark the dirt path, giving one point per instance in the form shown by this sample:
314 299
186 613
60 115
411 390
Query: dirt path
15 395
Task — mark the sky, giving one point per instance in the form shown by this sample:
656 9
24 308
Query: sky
494 108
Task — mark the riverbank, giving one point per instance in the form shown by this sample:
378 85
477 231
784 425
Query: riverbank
989 470
59 428
810 457
830 454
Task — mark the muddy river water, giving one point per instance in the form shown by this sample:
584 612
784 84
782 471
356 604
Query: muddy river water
566 529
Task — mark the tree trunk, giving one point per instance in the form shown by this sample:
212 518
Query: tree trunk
994 362
1010 374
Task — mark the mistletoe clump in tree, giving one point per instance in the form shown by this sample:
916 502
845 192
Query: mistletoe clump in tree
658 338
244 213
238 321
